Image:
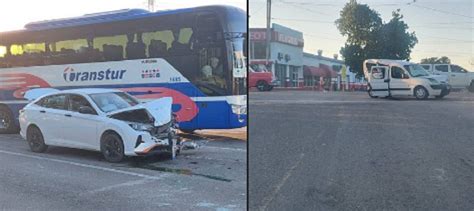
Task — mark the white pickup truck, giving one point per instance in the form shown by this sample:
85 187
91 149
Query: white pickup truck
459 78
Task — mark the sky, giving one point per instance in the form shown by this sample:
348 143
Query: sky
443 28
16 13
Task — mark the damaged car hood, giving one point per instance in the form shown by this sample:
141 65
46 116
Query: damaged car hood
159 109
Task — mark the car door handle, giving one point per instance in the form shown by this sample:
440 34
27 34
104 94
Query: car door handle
68 115
42 111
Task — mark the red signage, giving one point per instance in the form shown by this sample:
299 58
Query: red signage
261 35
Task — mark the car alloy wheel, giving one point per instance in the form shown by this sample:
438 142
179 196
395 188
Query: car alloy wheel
112 148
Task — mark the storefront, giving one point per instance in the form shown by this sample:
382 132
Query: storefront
286 57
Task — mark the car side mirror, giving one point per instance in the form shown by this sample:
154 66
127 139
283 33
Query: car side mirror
405 76
86 110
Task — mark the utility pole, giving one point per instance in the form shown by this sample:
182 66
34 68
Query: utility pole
268 34
151 5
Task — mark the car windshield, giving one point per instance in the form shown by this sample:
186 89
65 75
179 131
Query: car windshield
416 70
112 101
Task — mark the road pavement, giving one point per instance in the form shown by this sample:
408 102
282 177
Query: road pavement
210 178
345 151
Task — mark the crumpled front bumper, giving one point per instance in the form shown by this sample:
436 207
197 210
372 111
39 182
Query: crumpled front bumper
147 143
445 88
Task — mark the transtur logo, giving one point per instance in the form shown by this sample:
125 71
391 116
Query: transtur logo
70 76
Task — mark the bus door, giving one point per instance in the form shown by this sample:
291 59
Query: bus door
379 79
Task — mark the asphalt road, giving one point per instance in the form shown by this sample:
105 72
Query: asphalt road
210 178
345 151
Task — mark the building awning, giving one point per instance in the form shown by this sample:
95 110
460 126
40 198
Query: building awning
313 71
329 71
323 71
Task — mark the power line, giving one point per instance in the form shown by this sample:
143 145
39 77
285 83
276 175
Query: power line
302 20
258 10
440 11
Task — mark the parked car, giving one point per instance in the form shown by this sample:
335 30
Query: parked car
110 121
261 78
387 78
459 78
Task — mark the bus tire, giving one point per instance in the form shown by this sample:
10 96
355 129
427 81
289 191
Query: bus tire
420 93
7 124
262 86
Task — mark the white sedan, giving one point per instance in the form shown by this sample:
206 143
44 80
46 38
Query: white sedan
105 120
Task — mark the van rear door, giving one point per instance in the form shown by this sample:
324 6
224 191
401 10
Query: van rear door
378 79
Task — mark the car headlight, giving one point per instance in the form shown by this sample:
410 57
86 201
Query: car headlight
141 127
239 109
434 81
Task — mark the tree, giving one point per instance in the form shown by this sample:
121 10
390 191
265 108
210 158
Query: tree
368 37
436 60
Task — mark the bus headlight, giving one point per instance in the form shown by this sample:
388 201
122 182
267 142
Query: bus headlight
239 109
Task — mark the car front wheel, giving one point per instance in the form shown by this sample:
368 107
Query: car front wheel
35 140
112 148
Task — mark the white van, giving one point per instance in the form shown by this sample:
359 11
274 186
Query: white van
459 78
387 78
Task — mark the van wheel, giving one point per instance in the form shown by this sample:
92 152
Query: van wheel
370 92
471 87
262 86
112 148
35 140
6 121
421 93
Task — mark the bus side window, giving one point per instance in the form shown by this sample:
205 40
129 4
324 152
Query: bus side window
135 49
112 48
158 43
157 48
24 55
181 44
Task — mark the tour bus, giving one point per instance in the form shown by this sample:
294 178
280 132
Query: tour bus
194 55
388 78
